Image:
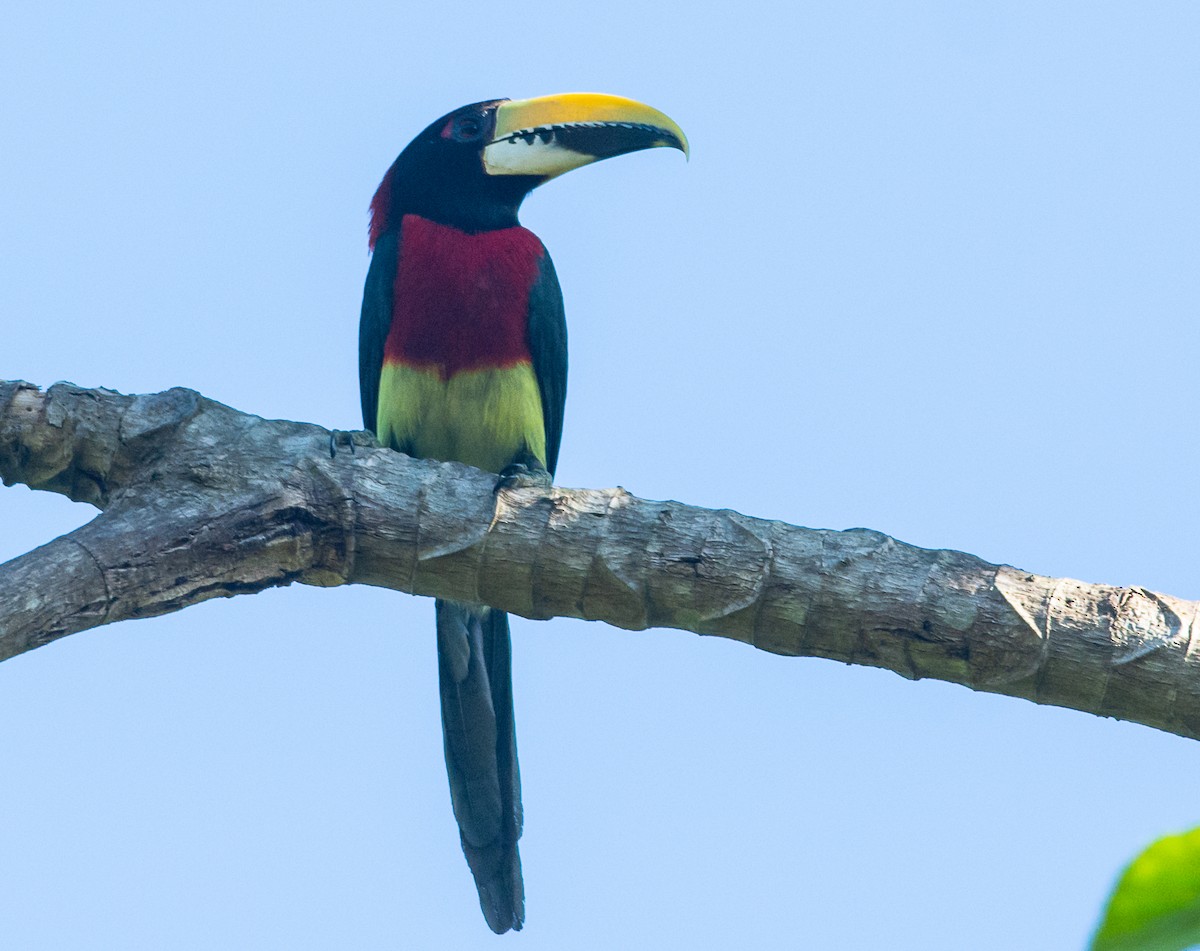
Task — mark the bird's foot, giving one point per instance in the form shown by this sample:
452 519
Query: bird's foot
523 475
338 436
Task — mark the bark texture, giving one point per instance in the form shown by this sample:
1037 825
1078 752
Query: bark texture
199 501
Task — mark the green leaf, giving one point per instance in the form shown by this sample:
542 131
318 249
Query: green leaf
1156 904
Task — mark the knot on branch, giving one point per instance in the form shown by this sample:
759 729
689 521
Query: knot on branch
81 443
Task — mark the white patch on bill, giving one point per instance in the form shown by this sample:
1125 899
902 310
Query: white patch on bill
533 152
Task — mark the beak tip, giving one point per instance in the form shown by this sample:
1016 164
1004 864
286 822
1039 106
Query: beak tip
682 144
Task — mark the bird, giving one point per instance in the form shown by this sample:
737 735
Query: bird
463 358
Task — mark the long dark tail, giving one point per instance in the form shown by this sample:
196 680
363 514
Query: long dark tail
475 678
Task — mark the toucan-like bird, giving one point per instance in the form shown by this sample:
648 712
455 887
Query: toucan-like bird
463 357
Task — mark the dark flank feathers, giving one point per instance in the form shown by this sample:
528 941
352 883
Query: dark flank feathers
375 322
548 349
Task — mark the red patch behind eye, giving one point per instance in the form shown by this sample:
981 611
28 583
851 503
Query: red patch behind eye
462 300
380 205
448 129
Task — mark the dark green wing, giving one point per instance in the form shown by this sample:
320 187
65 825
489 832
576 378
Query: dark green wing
375 322
548 348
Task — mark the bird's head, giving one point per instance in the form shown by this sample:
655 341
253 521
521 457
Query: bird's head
473 167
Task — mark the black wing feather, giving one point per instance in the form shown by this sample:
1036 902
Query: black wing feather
375 322
548 348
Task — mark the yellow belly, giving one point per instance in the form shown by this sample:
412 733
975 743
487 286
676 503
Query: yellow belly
480 417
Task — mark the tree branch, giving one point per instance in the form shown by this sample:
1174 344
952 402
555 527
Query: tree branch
199 501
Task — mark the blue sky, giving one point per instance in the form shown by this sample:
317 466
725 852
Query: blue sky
931 270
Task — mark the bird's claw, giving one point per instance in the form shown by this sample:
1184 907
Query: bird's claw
518 475
336 435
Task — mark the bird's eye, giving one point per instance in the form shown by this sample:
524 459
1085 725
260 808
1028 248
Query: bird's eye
468 128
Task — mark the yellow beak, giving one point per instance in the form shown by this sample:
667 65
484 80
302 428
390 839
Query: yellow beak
549 135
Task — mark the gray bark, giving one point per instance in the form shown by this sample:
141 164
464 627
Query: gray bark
199 500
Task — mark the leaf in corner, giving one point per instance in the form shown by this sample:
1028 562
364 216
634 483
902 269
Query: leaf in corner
1156 904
